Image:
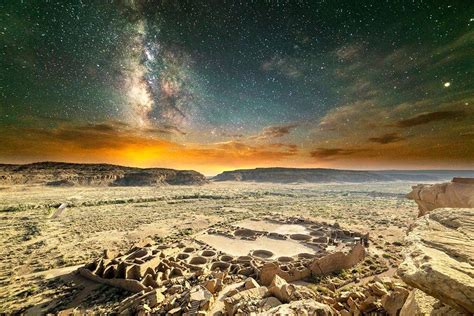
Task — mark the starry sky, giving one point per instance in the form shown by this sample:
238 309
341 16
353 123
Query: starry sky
220 85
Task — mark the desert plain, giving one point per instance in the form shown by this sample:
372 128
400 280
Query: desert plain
48 232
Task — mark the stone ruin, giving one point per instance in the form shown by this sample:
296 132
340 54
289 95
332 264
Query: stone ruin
191 263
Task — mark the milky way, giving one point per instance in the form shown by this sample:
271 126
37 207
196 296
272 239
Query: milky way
156 78
290 83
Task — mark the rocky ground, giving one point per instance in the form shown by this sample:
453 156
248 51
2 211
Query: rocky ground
42 245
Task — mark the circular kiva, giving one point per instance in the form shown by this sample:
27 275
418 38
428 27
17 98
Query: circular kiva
265 254
300 237
226 258
305 255
189 249
198 260
317 233
244 258
244 233
183 256
285 259
208 253
220 265
321 239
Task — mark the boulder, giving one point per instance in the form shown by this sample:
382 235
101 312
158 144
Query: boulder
378 289
459 193
269 302
394 301
257 293
439 257
200 297
370 304
277 282
289 292
250 283
141 300
417 303
213 285
303 307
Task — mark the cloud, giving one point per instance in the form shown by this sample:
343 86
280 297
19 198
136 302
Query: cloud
274 131
387 138
290 147
349 52
467 134
288 67
331 153
117 143
165 129
236 148
343 119
425 118
231 135
354 132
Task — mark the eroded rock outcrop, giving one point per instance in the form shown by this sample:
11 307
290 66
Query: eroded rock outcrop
440 256
70 174
457 193
321 175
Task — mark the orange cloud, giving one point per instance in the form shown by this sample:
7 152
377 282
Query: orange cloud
119 144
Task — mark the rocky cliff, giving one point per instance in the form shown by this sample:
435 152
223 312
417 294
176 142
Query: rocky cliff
319 175
440 256
457 193
69 174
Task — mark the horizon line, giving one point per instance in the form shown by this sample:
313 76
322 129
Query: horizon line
235 169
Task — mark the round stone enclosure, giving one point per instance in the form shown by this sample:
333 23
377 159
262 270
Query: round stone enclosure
208 253
244 233
317 233
265 254
321 239
183 256
300 237
198 260
226 258
189 249
244 258
305 255
220 265
285 259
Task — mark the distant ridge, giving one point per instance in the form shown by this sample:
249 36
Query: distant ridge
72 174
322 175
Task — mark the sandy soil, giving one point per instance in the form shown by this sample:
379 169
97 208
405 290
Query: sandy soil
244 247
40 242
272 227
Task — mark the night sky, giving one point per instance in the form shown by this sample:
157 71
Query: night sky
217 85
